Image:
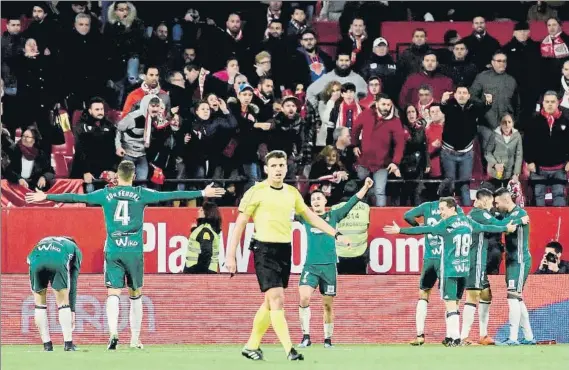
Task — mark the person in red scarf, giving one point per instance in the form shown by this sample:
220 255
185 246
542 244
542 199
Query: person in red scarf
378 144
150 86
554 52
546 151
374 88
29 166
358 42
345 112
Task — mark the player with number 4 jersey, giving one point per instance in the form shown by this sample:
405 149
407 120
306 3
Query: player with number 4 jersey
123 208
320 265
456 231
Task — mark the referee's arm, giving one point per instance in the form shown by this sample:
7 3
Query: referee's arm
246 208
318 222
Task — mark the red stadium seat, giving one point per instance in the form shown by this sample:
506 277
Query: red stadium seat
60 166
68 148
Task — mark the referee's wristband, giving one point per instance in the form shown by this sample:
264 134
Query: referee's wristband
337 235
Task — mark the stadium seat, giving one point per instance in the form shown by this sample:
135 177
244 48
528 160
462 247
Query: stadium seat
60 166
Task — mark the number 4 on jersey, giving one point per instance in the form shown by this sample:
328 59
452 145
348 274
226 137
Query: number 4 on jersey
121 212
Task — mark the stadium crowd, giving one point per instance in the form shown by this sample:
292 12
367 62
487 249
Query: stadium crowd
206 92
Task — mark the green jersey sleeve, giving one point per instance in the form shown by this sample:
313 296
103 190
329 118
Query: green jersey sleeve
479 228
96 197
411 215
485 218
74 275
150 196
438 229
339 213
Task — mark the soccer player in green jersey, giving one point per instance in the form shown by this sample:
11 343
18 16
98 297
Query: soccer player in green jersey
123 208
477 284
518 263
320 265
55 261
456 231
431 215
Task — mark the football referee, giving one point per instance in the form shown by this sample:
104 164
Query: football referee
273 205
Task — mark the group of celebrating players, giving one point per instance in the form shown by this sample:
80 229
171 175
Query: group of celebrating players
455 254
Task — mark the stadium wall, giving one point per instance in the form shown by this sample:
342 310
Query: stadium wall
217 309
166 231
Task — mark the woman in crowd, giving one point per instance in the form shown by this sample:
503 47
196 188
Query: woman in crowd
504 153
331 173
202 254
328 99
29 165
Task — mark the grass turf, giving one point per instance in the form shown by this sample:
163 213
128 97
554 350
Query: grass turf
345 357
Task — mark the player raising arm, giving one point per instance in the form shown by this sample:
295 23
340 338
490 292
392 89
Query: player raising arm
320 265
456 231
431 215
273 205
477 284
55 261
123 208
518 263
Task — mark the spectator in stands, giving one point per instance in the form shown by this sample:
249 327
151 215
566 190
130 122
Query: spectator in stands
12 46
189 55
150 86
296 25
199 83
374 88
481 46
345 112
434 138
546 151
44 29
232 41
425 101
29 165
218 162
445 55
331 172
264 68
358 43
159 50
504 154
381 64
279 49
430 75
416 159
551 263
504 91
541 11
410 61
461 70
328 98
524 65
293 135
343 145
554 52
95 151
462 115
37 92
378 145
264 98
123 42
342 73
564 92
229 72
134 133
331 10
82 58
309 63
250 134
68 12
174 86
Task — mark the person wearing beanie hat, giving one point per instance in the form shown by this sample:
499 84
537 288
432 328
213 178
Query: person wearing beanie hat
525 66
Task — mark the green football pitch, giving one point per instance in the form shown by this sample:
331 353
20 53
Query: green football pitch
345 357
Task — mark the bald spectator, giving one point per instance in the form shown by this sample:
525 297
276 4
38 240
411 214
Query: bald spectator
481 46
430 75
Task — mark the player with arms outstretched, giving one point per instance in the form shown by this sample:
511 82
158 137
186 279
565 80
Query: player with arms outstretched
123 208
431 215
477 284
55 261
518 264
456 231
320 265
273 205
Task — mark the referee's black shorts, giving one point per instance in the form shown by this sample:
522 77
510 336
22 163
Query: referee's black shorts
272 264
